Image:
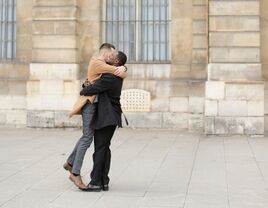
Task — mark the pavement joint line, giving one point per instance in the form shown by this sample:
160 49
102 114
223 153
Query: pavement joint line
34 148
255 159
33 138
29 188
124 141
226 174
191 174
162 162
18 194
60 194
28 166
101 195
135 156
234 156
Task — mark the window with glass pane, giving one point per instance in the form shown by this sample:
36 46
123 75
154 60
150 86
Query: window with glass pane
7 30
140 28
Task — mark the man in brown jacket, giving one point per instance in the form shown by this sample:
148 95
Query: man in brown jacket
86 106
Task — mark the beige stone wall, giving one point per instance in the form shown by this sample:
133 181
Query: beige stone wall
177 94
166 83
57 38
89 31
13 76
234 90
177 89
264 54
264 37
55 31
189 39
234 108
66 34
53 84
175 103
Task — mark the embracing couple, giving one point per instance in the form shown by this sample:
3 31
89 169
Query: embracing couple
101 112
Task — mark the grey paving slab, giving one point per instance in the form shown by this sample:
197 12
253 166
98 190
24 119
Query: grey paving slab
170 183
208 185
82 199
150 169
259 147
246 185
140 172
162 199
116 202
41 194
264 170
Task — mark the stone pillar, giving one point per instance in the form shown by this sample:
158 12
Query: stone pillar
234 90
53 83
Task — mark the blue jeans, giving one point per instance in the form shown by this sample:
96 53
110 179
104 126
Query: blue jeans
77 156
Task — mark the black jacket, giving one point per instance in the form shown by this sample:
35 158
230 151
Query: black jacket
108 111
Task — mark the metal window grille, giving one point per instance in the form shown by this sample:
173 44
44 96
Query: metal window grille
140 28
7 30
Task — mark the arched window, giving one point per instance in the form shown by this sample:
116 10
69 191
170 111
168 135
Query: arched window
7 30
140 28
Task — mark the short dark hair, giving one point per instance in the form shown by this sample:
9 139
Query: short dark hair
122 58
107 46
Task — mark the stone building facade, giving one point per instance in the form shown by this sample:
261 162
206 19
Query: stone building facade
215 80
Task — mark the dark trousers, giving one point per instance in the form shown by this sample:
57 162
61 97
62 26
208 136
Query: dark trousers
102 156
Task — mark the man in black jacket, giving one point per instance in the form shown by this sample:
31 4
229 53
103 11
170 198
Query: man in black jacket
105 121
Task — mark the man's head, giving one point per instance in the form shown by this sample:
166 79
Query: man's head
107 46
105 50
117 58
122 58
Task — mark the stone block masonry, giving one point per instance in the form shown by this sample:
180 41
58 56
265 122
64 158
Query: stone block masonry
234 100
239 111
213 82
54 83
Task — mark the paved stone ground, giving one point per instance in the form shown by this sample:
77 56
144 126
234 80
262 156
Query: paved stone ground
150 169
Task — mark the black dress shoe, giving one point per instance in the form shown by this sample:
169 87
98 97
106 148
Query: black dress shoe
105 187
92 188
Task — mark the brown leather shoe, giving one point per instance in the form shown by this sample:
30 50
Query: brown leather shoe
77 181
68 167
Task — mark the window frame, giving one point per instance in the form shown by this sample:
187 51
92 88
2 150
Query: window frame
5 23
138 31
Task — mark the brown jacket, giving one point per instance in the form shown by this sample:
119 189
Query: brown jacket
95 69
